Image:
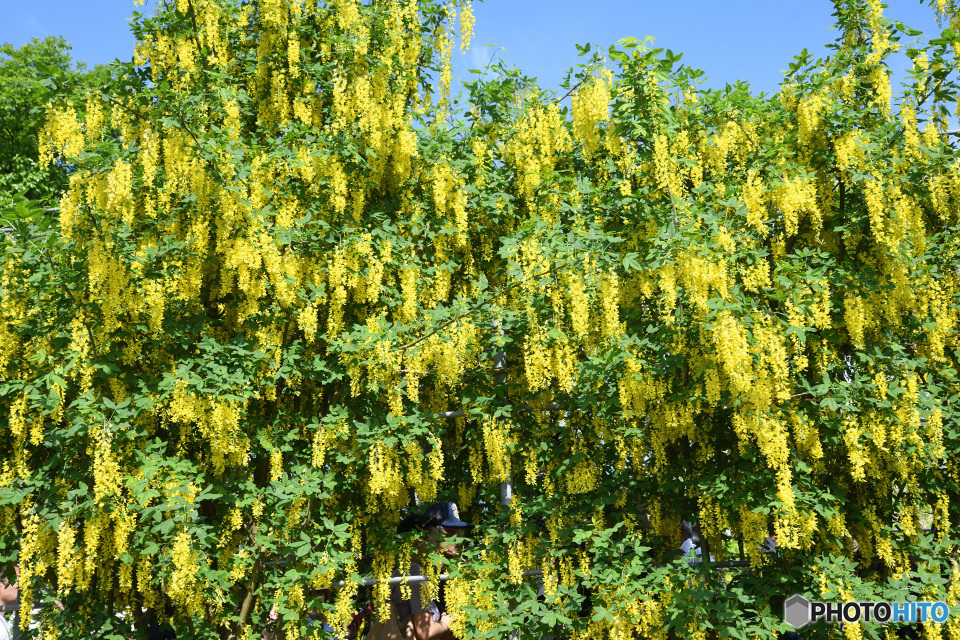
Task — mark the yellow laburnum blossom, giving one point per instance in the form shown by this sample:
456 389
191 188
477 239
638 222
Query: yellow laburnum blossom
590 106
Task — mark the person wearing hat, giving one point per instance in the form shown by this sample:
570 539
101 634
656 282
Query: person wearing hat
437 524
8 597
690 543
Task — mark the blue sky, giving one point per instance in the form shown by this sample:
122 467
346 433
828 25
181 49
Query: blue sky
750 40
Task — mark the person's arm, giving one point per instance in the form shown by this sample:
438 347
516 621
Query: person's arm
270 631
8 594
427 629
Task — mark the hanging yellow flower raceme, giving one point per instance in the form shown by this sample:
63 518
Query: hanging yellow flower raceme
277 263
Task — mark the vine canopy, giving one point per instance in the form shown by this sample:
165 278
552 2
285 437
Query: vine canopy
285 251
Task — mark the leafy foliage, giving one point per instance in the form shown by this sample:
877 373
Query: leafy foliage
280 258
39 72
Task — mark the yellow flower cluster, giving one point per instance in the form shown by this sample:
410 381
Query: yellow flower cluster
538 138
702 278
754 197
385 480
590 107
496 440
808 117
796 197
62 134
107 476
876 207
702 349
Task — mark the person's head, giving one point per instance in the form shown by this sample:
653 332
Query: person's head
687 533
437 525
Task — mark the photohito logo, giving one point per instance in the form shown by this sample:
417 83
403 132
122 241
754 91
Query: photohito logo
798 611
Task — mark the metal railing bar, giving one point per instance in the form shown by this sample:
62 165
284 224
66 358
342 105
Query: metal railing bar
526 408
443 577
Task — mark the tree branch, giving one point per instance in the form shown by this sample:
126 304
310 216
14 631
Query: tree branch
93 343
572 89
474 308
676 221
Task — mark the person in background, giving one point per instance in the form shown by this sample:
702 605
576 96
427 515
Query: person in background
8 597
436 525
770 542
690 543
161 629
769 545
313 618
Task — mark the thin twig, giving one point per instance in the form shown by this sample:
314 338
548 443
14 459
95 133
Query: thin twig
446 324
252 586
748 136
473 309
196 40
676 221
930 92
93 343
120 104
572 89
179 118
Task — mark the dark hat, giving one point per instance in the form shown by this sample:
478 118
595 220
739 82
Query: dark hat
445 514
414 521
